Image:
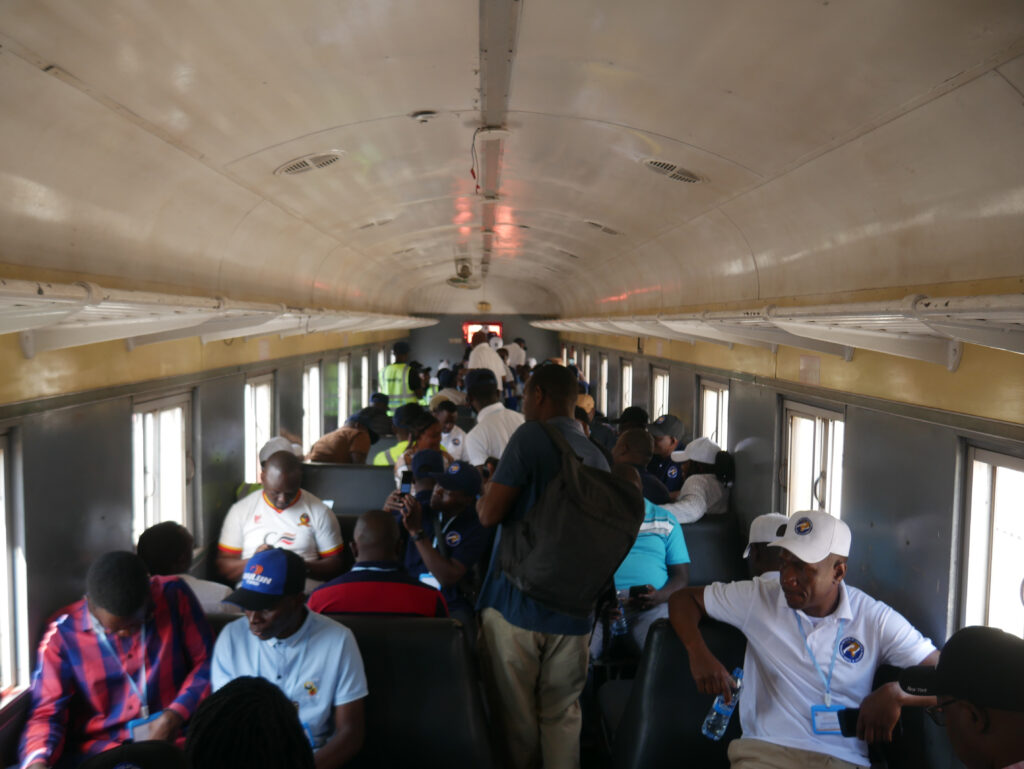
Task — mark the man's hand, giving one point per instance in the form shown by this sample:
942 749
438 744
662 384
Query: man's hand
393 504
412 514
166 726
710 675
648 599
879 713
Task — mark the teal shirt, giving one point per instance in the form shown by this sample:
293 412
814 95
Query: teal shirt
659 544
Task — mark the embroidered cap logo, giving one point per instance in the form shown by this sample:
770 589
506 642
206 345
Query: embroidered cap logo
803 526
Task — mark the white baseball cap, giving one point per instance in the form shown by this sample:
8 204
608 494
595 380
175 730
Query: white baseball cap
765 528
276 444
700 450
812 535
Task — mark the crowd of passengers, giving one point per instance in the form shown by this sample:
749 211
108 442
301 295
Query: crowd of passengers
131 674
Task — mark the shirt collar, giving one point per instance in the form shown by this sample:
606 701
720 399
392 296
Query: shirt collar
297 638
376 566
571 423
494 407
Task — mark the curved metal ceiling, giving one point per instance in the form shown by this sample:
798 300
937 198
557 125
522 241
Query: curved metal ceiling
844 146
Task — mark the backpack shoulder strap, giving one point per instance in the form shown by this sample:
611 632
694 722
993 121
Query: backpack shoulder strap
559 440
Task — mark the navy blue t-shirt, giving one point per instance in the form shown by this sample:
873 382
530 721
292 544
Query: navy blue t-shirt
653 489
668 472
466 540
530 462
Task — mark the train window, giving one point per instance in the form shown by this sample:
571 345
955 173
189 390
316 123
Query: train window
381 365
714 412
364 380
343 390
627 384
995 572
586 366
659 392
259 421
312 411
565 355
13 623
813 448
603 388
160 457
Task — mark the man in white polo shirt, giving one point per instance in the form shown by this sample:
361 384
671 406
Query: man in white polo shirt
494 423
283 515
813 645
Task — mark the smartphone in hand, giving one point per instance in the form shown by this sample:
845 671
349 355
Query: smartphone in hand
407 481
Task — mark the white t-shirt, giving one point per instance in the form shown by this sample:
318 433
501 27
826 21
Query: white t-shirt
780 683
700 495
516 355
494 426
455 443
307 527
483 356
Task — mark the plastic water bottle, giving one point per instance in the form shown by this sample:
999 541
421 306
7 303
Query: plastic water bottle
717 720
620 627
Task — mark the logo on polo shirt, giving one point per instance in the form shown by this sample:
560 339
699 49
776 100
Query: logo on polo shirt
455 467
310 686
673 471
453 538
851 649
803 526
257 518
456 441
304 519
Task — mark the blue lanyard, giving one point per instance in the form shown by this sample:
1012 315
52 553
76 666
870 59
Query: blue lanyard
102 635
835 653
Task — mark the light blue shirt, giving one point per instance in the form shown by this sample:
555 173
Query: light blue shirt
317 667
659 544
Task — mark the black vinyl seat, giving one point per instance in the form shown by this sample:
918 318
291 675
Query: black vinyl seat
660 723
716 547
351 489
425 707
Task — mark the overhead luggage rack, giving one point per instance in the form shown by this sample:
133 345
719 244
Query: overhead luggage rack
51 316
923 328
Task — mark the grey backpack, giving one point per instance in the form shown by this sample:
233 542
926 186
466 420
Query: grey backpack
569 544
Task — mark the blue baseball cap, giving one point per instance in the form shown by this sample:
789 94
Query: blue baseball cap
427 463
268 577
460 476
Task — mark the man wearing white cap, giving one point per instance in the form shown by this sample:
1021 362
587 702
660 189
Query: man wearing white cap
813 645
764 560
707 470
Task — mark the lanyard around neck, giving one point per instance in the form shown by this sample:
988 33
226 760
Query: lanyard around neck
832 666
105 642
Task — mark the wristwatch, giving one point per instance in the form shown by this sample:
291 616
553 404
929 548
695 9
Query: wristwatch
417 536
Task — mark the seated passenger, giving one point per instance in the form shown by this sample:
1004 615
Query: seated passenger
377 584
139 755
134 648
271 447
453 437
424 433
247 723
349 444
380 420
979 686
446 540
447 390
706 471
494 423
401 420
427 466
636 447
764 560
600 433
312 659
166 550
668 433
631 418
654 569
583 420
813 645
281 515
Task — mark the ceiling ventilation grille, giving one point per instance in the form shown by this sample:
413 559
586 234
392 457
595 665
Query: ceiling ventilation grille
309 163
673 172
570 254
603 227
375 223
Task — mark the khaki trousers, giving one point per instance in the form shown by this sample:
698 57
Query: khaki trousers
758 754
533 681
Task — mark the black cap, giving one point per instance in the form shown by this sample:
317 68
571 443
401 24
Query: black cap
981 665
476 376
365 418
401 348
667 425
632 415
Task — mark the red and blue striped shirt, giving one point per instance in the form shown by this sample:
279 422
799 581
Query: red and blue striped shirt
82 699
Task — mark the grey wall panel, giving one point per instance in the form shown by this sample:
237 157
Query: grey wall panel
288 392
899 491
433 343
642 383
220 440
77 483
681 395
752 415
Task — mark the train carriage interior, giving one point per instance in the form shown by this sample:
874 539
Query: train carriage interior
796 225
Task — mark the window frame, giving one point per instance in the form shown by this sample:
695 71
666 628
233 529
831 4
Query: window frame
625 393
657 375
364 371
722 387
252 447
312 413
14 654
994 459
344 387
602 403
809 411
155 405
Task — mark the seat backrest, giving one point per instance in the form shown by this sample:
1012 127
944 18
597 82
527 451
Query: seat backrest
425 707
716 549
664 714
351 489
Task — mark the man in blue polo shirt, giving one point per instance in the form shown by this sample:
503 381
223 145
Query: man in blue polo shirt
312 659
668 433
534 658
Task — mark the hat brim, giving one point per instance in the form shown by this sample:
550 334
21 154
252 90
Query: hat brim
920 680
250 600
659 432
801 548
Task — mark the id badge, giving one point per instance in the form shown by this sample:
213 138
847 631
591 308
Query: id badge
140 728
825 720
